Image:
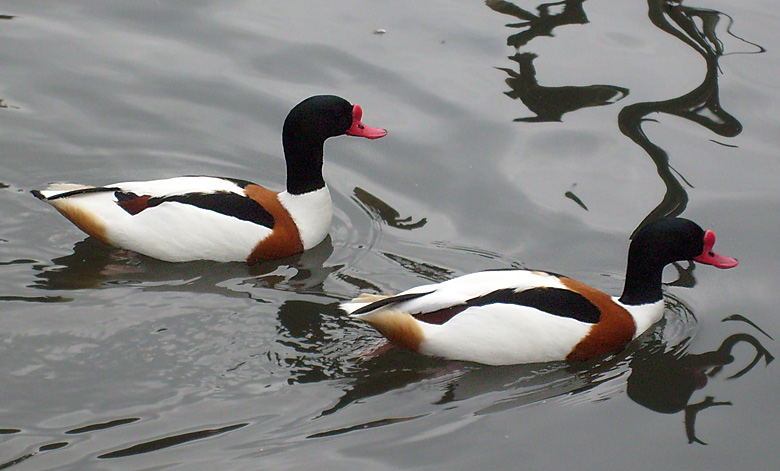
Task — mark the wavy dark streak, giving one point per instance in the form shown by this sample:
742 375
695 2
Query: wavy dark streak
43 448
102 426
364 426
168 442
16 461
36 299
701 105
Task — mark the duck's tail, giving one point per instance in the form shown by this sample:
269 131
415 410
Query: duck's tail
360 302
58 190
83 212
398 326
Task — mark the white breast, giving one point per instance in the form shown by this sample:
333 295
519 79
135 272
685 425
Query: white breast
312 213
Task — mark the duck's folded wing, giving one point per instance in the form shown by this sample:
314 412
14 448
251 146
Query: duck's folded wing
220 195
438 303
226 203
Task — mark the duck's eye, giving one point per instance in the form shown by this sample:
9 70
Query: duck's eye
712 254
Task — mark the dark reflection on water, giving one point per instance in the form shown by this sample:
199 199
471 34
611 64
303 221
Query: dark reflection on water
551 103
427 270
94 265
570 194
696 27
302 327
685 278
550 16
364 426
146 447
663 378
101 426
548 103
41 449
4 105
170 441
388 214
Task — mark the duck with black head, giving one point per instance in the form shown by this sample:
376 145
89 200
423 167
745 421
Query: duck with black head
504 317
223 219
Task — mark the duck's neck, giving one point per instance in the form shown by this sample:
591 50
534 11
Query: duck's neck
304 164
643 282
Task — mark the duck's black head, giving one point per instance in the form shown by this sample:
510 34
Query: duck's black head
319 117
660 243
668 240
305 130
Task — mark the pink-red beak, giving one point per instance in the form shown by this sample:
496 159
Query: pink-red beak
361 130
711 258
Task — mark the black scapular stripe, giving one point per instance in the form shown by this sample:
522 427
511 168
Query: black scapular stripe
68 194
555 301
223 202
387 301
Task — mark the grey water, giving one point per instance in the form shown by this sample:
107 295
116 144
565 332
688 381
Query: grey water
520 134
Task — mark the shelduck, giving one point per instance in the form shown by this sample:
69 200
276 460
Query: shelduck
504 317
223 219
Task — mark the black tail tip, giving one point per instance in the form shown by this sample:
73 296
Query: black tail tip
38 194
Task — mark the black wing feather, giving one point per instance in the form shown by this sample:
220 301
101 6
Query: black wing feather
556 301
386 301
68 194
227 203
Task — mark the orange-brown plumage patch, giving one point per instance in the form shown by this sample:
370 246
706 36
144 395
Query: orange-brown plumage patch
613 331
84 220
398 327
285 240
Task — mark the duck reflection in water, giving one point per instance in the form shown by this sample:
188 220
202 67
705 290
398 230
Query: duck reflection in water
548 103
551 103
664 380
94 265
550 16
386 213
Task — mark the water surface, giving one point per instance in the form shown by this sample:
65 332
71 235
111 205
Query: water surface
520 135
